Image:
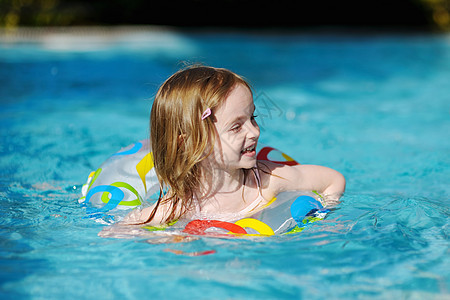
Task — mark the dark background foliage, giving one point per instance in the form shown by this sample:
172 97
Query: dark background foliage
402 14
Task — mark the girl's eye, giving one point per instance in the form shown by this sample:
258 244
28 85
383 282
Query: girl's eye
236 128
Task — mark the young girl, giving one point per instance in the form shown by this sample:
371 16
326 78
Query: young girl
204 136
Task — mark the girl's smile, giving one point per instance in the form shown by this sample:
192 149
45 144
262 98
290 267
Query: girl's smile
249 151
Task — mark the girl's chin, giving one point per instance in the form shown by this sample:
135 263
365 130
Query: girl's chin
248 163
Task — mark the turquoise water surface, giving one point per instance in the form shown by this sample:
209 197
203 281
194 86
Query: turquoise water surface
376 107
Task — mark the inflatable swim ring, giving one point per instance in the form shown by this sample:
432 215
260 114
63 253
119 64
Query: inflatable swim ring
127 180
122 182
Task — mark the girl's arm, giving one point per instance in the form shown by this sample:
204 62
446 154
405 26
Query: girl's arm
140 216
330 184
126 227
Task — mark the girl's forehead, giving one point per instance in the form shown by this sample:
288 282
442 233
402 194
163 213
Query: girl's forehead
239 102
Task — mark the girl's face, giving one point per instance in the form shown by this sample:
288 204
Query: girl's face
237 130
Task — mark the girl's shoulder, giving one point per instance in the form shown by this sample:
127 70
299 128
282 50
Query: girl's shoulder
273 176
280 177
276 169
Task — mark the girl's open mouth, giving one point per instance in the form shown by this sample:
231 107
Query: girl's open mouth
249 151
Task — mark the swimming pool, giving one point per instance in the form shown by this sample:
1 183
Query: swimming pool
374 106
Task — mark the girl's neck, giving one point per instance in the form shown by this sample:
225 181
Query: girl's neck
218 181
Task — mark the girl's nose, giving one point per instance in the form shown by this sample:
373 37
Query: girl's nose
253 130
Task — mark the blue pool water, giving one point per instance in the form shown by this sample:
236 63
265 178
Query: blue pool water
375 107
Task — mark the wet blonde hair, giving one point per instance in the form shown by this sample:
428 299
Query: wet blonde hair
179 137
